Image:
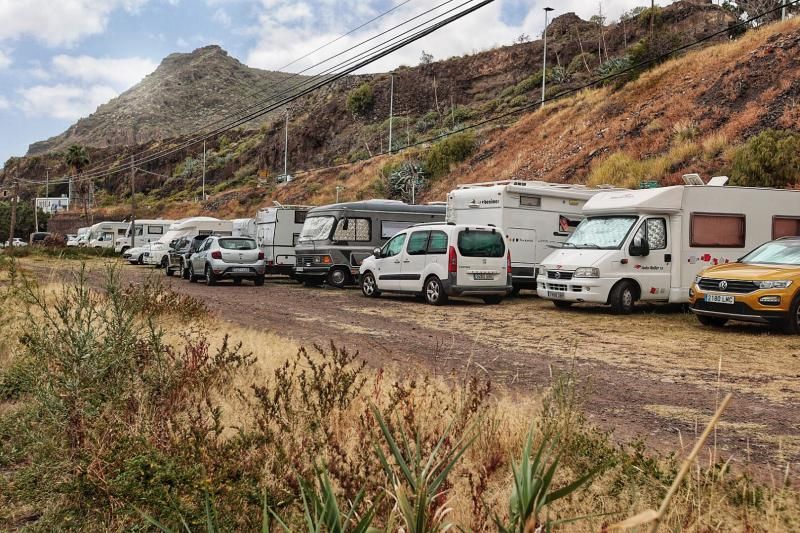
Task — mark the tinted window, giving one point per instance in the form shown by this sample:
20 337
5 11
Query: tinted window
394 246
237 244
155 230
390 228
300 217
417 243
353 229
717 230
786 252
785 227
481 244
437 243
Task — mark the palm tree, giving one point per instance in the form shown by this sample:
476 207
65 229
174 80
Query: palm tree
77 159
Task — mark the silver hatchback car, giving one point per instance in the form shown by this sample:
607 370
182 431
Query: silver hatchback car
235 258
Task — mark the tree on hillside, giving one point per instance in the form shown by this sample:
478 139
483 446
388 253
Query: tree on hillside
77 158
770 159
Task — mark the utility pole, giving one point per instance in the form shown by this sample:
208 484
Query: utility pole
12 226
47 183
783 10
547 11
133 197
391 113
204 170
35 215
286 148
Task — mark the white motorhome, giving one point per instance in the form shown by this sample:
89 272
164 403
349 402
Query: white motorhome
534 215
103 234
244 227
80 238
145 231
156 252
277 232
650 244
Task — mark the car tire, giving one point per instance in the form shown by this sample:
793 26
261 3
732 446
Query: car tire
562 304
140 261
211 279
792 322
713 321
338 277
434 291
192 275
259 281
184 271
164 262
492 300
369 287
623 298
170 272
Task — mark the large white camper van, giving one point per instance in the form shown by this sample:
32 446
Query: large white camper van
651 244
534 215
145 231
277 231
103 234
156 253
244 227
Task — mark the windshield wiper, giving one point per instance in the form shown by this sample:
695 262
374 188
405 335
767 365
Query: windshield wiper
587 245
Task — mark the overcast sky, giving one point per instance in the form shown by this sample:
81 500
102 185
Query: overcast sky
60 59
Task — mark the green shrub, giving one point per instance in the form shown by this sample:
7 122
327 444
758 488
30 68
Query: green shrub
518 101
361 100
448 152
580 61
770 159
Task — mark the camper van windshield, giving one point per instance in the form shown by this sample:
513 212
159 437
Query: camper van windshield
775 253
606 233
317 228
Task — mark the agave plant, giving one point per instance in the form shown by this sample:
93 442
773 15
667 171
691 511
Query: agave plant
533 477
416 481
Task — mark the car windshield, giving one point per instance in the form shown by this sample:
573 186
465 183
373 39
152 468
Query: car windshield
606 233
317 228
775 253
237 244
481 244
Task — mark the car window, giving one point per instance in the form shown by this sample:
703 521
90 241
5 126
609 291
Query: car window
655 230
206 245
353 229
394 246
417 243
481 243
437 244
237 244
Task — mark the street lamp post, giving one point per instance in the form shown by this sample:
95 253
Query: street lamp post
547 11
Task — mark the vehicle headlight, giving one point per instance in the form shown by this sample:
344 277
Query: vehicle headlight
587 272
784 284
324 259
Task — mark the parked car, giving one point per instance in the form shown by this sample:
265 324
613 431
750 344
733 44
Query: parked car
441 260
234 258
135 256
763 286
181 251
16 241
38 237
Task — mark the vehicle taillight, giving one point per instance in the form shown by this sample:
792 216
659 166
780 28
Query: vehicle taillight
508 262
260 256
452 261
216 255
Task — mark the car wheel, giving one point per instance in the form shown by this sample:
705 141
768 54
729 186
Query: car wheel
259 281
211 279
140 261
192 276
623 298
369 287
338 277
164 262
434 291
184 271
792 324
170 272
714 321
492 300
562 304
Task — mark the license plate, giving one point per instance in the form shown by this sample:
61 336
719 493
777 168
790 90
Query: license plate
720 299
483 276
555 295
299 269
241 270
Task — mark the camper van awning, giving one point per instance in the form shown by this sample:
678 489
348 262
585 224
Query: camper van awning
661 200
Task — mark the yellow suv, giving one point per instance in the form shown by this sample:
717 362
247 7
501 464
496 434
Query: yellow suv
763 286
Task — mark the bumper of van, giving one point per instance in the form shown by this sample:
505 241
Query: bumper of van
451 289
590 290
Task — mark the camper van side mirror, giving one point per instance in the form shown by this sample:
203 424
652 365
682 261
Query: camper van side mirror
639 248
377 253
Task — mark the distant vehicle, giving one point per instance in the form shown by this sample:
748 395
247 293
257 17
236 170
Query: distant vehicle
234 258
146 231
533 215
650 244
180 252
337 238
135 256
78 238
441 260
104 234
15 242
156 253
244 227
38 237
277 232
763 286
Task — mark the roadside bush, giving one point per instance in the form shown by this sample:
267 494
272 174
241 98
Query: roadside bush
445 153
581 61
685 130
361 100
769 159
618 169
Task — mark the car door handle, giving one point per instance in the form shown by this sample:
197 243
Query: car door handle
397 261
407 261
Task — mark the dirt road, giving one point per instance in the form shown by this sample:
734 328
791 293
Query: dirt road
656 374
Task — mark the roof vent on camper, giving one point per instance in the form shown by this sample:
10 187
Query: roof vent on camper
718 181
693 179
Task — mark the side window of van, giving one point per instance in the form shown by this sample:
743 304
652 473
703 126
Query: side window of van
395 246
655 230
418 243
353 229
155 230
437 244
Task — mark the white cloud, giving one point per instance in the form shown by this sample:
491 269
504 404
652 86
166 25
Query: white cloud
5 60
121 72
221 17
61 22
68 102
4 103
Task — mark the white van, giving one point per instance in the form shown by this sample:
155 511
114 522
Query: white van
650 244
533 214
244 227
146 231
156 252
441 260
277 232
80 238
104 234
